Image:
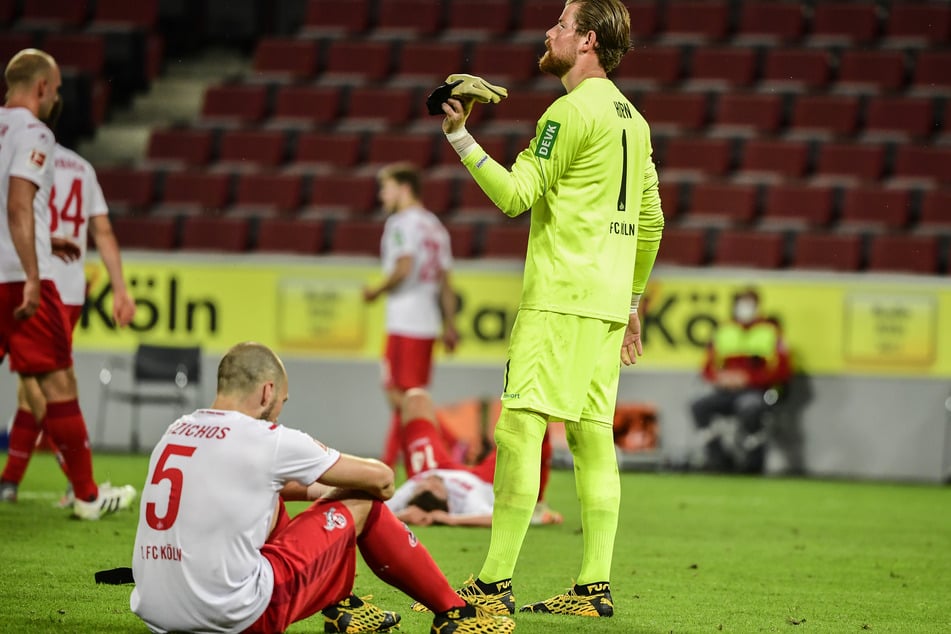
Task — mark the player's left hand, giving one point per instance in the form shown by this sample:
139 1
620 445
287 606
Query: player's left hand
631 347
65 250
457 110
123 309
450 338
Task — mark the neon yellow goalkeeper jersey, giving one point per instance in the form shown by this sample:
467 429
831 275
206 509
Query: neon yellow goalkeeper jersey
590 183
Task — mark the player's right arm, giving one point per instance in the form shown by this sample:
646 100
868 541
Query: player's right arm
108 247
360 474
402 270
23 233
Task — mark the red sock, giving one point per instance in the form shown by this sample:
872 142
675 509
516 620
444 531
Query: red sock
391 449
65 425
396 556
46 440
23 437
546 466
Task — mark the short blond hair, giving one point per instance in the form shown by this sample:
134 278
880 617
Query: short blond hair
403 173
246 365
26 67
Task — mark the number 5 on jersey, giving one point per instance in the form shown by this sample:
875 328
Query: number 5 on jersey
175 478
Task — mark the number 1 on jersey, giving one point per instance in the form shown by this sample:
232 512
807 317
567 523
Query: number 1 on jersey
622 195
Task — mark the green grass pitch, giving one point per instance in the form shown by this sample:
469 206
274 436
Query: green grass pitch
693 554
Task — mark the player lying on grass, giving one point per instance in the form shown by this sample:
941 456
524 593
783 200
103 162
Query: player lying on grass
441 490
216 551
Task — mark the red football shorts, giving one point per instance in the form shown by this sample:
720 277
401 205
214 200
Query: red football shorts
425 449
43 342
407 362
314 558
74 313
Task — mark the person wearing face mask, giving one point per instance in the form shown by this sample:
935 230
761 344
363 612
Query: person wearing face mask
746 362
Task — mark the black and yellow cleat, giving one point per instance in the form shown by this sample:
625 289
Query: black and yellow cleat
354 615
593 599
470 620
492 598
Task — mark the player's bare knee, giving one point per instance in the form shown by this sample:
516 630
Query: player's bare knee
417 403
359 509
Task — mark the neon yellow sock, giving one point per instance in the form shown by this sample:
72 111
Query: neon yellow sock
599 490
518 436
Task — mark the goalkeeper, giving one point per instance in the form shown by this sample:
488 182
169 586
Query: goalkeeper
596 225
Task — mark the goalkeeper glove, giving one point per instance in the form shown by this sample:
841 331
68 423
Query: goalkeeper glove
467 88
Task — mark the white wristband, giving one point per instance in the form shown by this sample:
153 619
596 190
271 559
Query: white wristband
462 142
635 300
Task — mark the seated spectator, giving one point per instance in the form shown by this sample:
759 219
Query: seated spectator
747 363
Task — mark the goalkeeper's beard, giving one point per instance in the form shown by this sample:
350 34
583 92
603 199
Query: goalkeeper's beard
553 65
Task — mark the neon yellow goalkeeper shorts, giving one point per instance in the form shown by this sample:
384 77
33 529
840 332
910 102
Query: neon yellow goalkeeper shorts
564 366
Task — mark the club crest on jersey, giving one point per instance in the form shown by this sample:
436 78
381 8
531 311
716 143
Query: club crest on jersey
334 519
411 536
37 158
547 138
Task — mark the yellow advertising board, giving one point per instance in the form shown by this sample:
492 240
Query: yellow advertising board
833 325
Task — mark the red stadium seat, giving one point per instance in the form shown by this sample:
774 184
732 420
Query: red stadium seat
408 18
498 146
127 189
82 51
748 248
683 247
288 59
825 116
253 148
900 117
472 19
520 112
347 193
428 63
749 114
698 157
850 161
505 241
675 111
798 205
722 203
875 208
932 72
536 17
462 238
306 105
238 104
506 63
904 254
8 9
357 237
380 105
871 71
202 191
670 199
141 13
828 251
209 233
844 23
328 149
722 68
926 163
918 25
12 42
769 23
474 204
180 146
935 212
645 19
650 66
769 159
798 69
696 21
438 194
282 235
54 14
389 147
333 17
355 61
143 232
270 193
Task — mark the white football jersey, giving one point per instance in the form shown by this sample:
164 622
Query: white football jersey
26 151
468 494
206 508
412 308
76 197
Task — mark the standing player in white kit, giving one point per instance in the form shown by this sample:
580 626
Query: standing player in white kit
420 304
77 208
